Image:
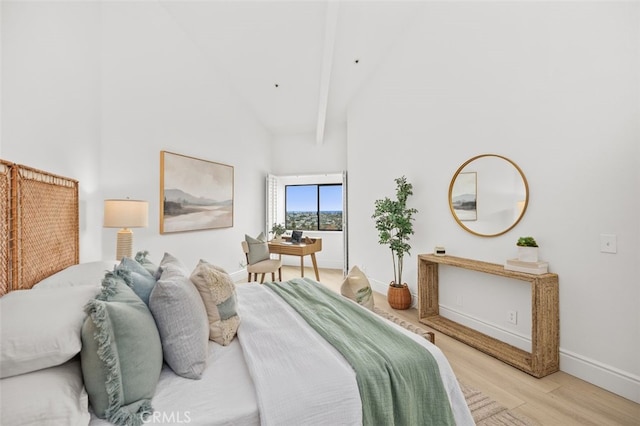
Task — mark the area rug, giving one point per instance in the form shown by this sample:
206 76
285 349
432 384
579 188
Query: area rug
485 411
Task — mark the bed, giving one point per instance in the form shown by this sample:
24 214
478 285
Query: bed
234 354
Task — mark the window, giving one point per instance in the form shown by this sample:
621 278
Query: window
313 207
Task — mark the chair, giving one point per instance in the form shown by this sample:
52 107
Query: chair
263 267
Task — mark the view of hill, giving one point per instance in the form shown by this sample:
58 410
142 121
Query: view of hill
179 196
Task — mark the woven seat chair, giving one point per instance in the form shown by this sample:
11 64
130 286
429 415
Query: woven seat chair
263 267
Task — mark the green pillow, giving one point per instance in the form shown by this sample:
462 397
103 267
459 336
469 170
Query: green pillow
152 268
121 354
258 248
136 277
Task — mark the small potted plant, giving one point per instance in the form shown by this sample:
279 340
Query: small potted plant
278 229
527 249
394 222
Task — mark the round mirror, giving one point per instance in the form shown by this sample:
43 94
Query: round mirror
488 195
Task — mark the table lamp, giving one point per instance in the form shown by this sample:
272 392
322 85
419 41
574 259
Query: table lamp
125 214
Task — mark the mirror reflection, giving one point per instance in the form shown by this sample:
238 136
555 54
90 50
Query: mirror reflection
488 195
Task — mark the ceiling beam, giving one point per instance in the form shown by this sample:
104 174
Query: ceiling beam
331 23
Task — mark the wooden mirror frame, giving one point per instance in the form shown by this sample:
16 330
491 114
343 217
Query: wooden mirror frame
515 222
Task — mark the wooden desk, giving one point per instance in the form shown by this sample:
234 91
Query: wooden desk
544 357
301 250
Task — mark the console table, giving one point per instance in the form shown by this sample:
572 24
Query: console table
544 357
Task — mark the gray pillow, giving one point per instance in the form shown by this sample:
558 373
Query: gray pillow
121 354
218 293
136 277
182 322
169 259
258 248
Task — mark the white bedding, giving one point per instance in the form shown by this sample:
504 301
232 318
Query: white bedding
226 394
300 379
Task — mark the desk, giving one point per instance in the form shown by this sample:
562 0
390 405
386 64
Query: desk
544 357
303 249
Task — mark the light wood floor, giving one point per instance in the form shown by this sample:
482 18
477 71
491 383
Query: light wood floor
558 399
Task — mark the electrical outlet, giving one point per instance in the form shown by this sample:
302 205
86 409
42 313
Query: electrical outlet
512 317
608 243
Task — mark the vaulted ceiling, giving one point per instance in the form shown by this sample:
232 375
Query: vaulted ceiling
297 64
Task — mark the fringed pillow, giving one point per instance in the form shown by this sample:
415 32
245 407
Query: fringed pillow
218 293
136 277
152 268
121 354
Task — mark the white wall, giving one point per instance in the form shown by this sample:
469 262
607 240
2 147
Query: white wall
51 99
95 91
160 93
300 155
554 86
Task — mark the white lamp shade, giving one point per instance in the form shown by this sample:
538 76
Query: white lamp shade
126 213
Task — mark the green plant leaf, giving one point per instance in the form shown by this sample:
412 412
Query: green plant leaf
394 223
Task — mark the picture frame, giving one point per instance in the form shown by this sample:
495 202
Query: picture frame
464 196
195 194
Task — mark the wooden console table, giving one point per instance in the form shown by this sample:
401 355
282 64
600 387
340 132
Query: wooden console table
544 357
302 249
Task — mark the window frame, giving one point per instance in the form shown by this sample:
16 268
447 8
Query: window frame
317 209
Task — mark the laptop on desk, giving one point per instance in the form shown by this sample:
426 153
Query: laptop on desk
296 237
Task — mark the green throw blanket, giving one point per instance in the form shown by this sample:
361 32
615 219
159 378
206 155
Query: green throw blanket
398 379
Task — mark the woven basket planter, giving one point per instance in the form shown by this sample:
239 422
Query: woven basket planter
399 297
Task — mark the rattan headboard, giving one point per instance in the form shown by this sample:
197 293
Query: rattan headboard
40 225
5 229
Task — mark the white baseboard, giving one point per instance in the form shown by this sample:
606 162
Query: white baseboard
614 380
327 264
239 276
518 340
605 376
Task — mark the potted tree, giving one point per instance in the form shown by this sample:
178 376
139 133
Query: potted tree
278 229
527 249
394 222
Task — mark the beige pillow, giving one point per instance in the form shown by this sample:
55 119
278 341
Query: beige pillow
218 293
356 287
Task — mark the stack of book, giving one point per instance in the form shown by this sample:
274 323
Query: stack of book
536 268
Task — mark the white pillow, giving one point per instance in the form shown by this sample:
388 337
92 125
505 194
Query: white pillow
53 396
41 328
356 287
89 273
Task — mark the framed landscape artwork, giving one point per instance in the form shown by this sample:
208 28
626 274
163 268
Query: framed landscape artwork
195 194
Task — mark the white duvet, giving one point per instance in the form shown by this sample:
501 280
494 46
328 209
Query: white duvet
299 378
278 371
